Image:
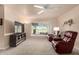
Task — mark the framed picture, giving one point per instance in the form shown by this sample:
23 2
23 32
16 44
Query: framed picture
1 21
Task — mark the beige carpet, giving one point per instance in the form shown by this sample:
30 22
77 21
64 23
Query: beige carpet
33 46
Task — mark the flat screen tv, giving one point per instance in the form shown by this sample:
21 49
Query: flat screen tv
19 27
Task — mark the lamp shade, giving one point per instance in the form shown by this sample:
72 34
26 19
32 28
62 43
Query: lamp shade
56 28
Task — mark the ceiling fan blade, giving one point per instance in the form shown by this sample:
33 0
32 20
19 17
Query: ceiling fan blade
37 6
41 12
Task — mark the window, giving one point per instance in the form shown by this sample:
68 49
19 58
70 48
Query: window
39 28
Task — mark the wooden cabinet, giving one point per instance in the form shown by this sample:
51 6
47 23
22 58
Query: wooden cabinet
16 39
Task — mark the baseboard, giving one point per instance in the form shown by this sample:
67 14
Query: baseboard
4 48
7 34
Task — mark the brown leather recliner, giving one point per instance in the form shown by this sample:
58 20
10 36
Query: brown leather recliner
50 37
66 44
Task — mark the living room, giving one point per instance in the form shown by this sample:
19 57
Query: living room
39 20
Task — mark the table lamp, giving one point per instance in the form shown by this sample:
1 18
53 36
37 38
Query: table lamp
56 30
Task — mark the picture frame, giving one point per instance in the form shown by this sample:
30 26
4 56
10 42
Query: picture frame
1 21
69 22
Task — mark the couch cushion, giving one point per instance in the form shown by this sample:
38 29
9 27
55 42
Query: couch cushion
68 34
66 39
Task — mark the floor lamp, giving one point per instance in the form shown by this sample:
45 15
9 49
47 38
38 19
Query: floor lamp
56 30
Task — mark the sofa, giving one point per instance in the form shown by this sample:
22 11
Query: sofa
66 44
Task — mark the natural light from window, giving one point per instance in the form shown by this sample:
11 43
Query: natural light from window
39 29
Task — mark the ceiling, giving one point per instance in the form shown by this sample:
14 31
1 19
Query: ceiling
53 10
28 13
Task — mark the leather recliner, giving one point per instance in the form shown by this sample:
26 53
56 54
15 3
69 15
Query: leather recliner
66 44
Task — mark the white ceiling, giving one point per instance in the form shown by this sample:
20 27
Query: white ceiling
28 12
53 10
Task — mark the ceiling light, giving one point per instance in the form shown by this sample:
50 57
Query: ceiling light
56 28
41 12
38 6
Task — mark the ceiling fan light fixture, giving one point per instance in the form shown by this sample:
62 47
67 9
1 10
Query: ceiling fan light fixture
37 6
41 12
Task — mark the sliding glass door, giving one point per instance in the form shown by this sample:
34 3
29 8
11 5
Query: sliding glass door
39 29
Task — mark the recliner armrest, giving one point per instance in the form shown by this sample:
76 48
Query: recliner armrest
61 47
61 43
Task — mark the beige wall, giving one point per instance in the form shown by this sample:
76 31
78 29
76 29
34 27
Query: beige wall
11 13
72 14
1 16
1 26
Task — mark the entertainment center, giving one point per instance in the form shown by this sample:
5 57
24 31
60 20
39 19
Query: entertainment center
19 36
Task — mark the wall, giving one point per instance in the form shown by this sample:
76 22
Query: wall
72 14
11 13
1 26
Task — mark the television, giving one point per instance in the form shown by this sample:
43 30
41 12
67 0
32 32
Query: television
19 27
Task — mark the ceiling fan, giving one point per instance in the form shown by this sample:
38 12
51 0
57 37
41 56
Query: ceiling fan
42 7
